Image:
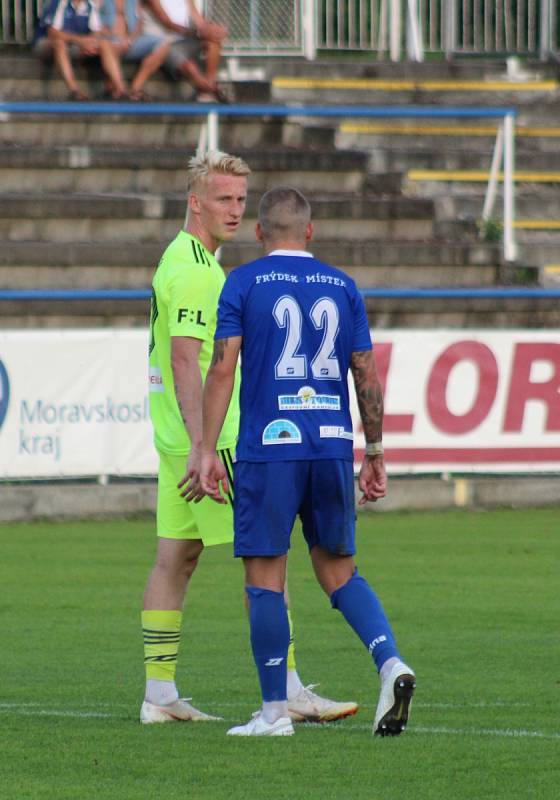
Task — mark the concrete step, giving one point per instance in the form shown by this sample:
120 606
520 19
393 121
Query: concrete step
378 135
100 218
383 313
154 132
360 67
383 253
531 202
50 86
93 276
132 169
21 62
393 159
464 313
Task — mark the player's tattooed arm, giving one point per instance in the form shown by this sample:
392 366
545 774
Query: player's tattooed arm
219 351
368 393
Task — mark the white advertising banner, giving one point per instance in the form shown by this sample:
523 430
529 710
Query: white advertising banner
469 401
75 403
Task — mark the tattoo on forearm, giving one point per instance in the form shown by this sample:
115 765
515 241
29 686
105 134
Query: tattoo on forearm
219 351
369 395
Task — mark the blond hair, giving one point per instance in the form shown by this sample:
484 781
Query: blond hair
203 165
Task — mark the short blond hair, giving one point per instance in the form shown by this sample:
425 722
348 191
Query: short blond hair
203 165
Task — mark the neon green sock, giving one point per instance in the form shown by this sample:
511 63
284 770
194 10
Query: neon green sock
161 630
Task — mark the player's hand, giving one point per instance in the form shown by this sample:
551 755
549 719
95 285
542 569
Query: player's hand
213 477
372 480
190 483
89 46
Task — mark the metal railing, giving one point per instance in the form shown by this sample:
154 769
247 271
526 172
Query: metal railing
409 293
504 150
393 28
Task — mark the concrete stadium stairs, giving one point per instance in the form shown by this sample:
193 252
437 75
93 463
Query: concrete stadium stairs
89 202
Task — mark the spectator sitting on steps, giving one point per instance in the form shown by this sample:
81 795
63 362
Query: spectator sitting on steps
71 29
123 25
191 36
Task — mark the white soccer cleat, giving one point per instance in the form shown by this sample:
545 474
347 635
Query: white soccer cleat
178 711
258 726
393 708
310 707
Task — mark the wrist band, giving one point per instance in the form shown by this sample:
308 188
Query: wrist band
374 449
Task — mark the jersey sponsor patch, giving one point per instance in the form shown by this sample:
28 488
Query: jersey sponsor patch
281 431
155 380
194 316
334 432
307 399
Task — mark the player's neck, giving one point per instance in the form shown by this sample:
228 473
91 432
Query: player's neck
270 247
203 236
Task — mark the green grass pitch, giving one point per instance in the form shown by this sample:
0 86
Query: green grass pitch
474 601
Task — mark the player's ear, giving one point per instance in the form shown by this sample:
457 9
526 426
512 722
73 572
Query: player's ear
193 203
259 232
309 232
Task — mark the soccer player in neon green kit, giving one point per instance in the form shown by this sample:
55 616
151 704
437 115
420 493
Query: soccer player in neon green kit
186 288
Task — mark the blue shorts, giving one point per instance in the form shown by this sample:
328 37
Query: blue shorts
270 495
142 47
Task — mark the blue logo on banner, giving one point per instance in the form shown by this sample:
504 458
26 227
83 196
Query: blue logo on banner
4 392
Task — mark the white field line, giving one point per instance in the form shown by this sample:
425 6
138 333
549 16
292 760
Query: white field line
35 710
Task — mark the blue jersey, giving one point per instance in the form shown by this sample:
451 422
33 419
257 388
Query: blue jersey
300 320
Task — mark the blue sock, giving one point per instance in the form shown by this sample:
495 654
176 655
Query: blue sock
363 611
270 637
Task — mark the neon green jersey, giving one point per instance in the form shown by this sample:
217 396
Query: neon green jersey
185 292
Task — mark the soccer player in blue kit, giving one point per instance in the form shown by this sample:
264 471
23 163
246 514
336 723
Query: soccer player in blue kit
299 325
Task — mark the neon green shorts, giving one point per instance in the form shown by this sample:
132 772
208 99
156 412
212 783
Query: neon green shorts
177 519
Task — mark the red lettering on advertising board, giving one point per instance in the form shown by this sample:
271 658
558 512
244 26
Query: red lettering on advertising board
392 423
522 389
485 361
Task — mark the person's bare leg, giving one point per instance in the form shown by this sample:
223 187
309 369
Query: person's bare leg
149 65
194 75
63 62
332 571
213 58
111 67
176 561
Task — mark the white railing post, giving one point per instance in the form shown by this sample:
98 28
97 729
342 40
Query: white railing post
395 30
510 249
208 138
414 46
449 28
309 28
490 196
544 35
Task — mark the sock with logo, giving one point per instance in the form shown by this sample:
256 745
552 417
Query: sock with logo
270 637
161 630
363 611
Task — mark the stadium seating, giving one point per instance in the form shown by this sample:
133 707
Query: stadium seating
90 202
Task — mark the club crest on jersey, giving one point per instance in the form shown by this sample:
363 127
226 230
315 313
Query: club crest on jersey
281 431
4 392
307 399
